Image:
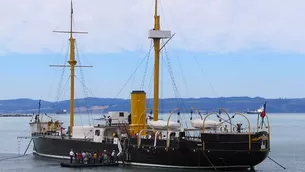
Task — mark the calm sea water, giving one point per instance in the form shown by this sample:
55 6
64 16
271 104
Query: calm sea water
287 145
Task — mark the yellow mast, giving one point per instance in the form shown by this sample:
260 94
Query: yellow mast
72 62
157 61
156 34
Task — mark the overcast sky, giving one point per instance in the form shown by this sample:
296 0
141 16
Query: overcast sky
221 47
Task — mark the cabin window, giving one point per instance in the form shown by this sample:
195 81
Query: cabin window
97 132
121 114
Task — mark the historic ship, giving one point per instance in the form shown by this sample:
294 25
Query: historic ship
209 144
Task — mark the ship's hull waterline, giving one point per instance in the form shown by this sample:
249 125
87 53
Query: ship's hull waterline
182 154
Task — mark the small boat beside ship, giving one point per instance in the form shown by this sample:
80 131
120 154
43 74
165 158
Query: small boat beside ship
75 165
200 143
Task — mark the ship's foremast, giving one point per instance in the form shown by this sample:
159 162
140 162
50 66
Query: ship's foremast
72 64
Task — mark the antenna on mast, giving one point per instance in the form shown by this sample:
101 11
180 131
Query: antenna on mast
71 24
156 7
72 64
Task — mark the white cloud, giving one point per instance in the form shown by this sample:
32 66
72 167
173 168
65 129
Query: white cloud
206 25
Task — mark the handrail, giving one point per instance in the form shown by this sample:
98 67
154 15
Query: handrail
156 136
221 109
142 115
249 127
139 136
197 112
257 122
203 143
269 131
138 120
206 118
167 140
226 112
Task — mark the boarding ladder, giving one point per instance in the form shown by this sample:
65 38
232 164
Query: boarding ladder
124 129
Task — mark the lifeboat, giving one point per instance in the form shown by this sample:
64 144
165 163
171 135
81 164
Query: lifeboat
198 123
162 124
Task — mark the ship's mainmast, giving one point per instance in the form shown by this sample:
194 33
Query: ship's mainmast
156 34
72 64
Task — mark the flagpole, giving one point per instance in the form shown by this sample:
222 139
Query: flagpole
263 114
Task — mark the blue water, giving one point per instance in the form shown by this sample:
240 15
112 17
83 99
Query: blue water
287 145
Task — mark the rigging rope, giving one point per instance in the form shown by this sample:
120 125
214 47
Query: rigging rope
81 119
175 88
182 74
145 70
84 86
132 75
134 71
197 62
180 102
61 77
90 118
185 84
170 71
59 86
52 84
63 89
162 82
150 89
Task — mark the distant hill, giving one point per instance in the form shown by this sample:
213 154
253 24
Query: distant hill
232 104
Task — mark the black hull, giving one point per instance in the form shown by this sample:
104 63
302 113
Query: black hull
220 151
57 147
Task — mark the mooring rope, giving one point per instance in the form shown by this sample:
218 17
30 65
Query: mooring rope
14 157
276 162
19 156
28 146
209 161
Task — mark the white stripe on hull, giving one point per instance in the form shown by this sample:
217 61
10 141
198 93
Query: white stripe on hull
51 156
150 165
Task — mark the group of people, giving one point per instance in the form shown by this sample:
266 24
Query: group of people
93 157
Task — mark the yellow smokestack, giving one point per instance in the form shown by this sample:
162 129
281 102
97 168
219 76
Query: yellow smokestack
138 112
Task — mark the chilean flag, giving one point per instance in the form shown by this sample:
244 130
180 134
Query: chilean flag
263 113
